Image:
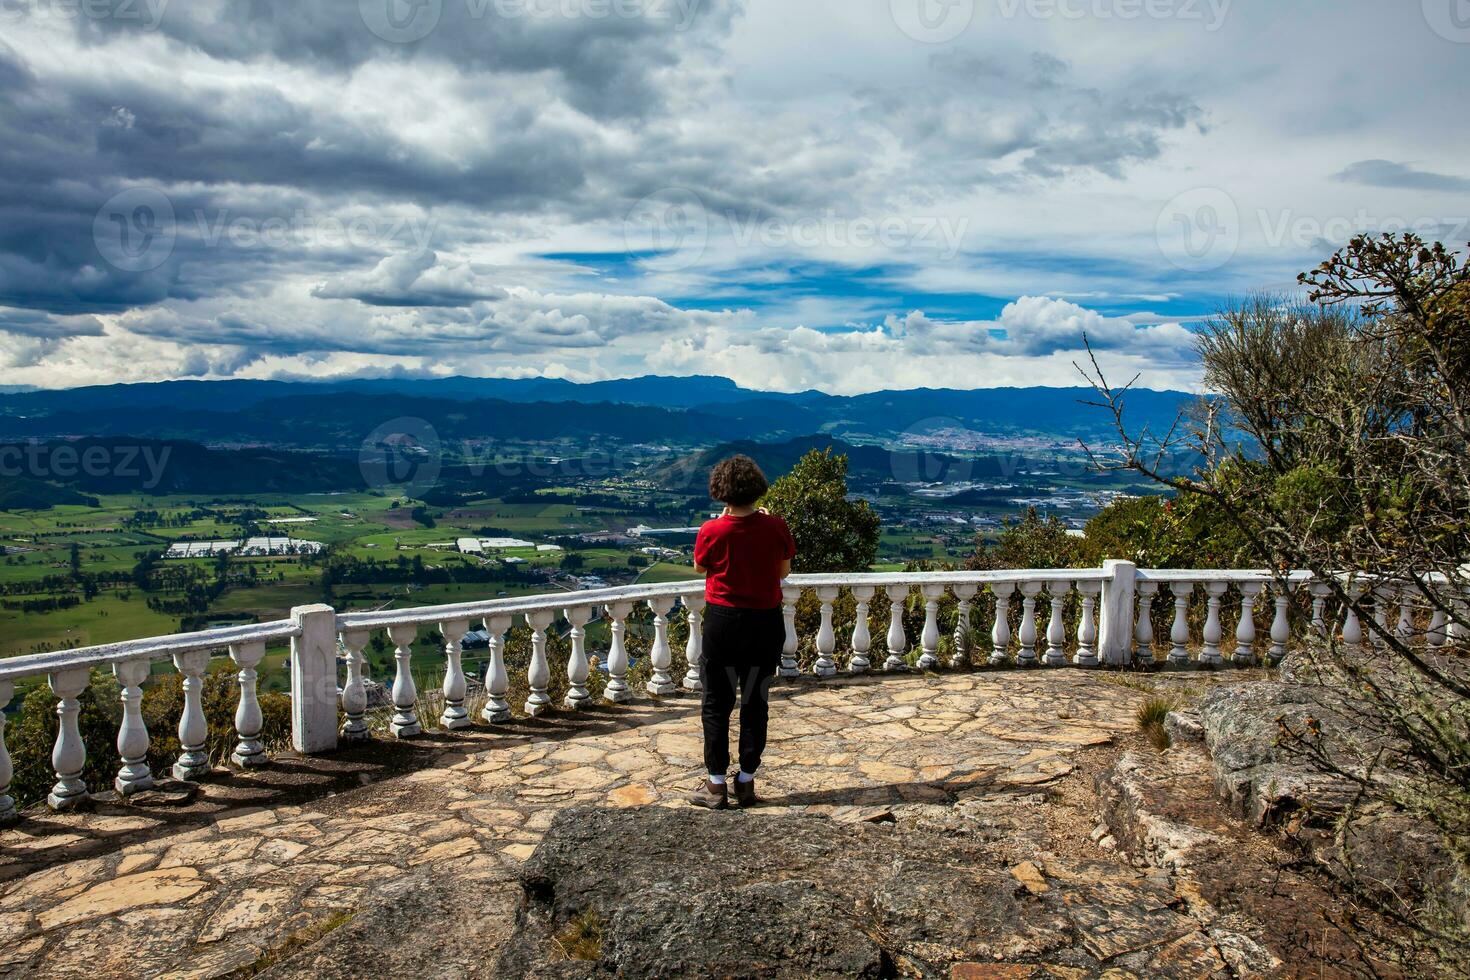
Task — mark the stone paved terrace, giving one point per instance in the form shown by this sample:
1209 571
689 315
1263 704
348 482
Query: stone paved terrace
262 864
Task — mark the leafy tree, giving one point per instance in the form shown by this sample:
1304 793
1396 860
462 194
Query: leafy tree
1032 542
833 533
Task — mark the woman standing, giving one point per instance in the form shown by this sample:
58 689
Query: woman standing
743 554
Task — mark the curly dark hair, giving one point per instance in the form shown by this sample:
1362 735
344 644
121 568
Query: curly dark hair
737 481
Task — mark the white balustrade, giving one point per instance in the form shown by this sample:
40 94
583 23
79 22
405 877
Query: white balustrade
538 675
1056 627
193 762
789 598
1383 597
1000 630
69 756
1087 625
132 735
354 691
1405 627
8 812
661 656
694 648
1143 624
898 641
1210 652
1438 634
497 679
1352 627
929 640
1179 634
1458 630
965 596
249 752
826 636
1245 629
617 691
405 723
1027 634
1321 591
1281 625
579 669
453 716
862 639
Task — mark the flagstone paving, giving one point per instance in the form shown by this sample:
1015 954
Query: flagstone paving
224 882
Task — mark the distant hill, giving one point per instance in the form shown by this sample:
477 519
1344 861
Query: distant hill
866 464
23 493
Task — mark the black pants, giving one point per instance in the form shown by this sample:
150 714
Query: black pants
742 649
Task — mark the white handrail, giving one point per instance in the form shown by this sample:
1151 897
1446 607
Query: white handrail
149 648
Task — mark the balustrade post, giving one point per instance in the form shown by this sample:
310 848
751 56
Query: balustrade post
1458 630
1115 613
1281 624
354 691
1210 655
1405 627
8 812
694 648
1056 627
249 752
538 675
1245 630
69 756
1383 597
1143 629
1087 625
1000 630
405 693
661 684
578 667
1027 635
617 655
454 716
965 594
1179 634
897 641
314 680
497 680
132 735
1321 591
1352 627
929 639
790 596
193 762
862 637
1438 634
826 637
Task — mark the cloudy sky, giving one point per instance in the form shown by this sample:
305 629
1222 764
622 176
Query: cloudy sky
840 194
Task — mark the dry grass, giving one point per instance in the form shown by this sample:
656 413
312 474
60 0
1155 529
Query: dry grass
1151 720
581 939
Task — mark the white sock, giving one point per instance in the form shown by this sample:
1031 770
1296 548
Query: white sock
746 777
717 780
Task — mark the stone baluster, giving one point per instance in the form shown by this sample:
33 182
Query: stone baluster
1056 626
1000 631
1281 624
898 641
193 761
1321 591
1438 634
354 691
538 674
579 669
454 716
132 735
8 812
789 667
1179 635
1458 629
1383 597
69 757
826 636
405 722
1143 625
965 594
1405 627
497 679
1087 626
1352 627
617 655
694 648
661 656
1245 629
862 638
249 752
1214 631
1027 635
929 640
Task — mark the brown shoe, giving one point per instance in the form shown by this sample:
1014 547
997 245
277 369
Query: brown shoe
745 793
710 796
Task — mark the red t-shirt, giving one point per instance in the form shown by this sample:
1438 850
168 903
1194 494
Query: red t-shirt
744 556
